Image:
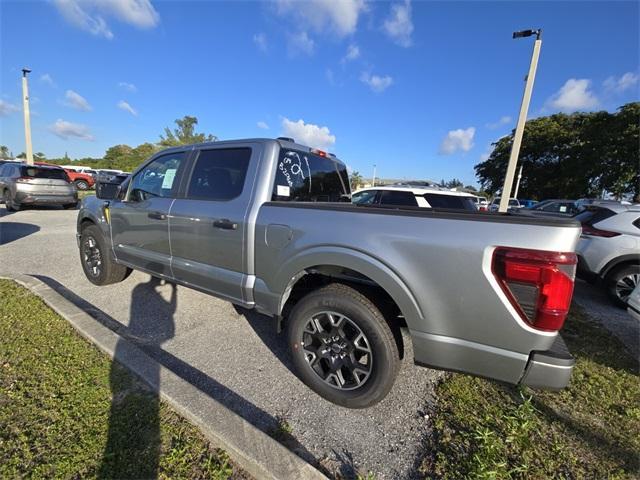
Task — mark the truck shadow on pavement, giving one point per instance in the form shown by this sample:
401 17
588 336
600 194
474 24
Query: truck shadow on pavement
12 231
133 445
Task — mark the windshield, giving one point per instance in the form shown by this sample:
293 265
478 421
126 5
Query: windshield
306 177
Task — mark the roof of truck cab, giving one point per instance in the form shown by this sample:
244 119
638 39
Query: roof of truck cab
417 190
282 143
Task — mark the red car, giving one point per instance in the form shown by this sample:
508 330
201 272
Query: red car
82 181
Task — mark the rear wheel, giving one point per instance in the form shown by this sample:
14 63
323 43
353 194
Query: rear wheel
82 184
96 260
9 203
342 347
621 282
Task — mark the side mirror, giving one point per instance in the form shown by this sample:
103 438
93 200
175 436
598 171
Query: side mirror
108 187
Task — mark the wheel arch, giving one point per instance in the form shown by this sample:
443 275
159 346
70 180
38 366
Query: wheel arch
349 266
630 259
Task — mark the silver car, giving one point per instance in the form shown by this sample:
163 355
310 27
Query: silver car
609 248
23 184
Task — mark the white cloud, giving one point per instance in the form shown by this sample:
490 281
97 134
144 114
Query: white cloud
574 95
129 87
300 44
122 105
260 39
377 83
7 108
77 101
46 78
353 52
621 84
338 17
89 15
308 134
262 125
65 130
399 26
458 140
503 121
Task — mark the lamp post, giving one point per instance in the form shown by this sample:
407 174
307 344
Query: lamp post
522 118
515 193
27 118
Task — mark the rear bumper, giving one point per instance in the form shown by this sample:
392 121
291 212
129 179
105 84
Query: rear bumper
551 369
37 199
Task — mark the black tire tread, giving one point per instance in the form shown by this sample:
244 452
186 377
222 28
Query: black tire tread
112 272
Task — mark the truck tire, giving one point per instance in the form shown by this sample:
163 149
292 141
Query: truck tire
342 347
82 184
95 257
621 282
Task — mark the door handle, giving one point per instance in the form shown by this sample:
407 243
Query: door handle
225 224
157 216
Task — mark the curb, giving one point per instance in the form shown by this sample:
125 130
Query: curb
250 448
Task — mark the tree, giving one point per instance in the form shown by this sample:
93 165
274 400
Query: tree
356 180
572 156
454 183
39 157
184 134
4 151
22 155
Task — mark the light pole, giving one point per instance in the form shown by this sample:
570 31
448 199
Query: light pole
515 193
27 118
522 118
373 181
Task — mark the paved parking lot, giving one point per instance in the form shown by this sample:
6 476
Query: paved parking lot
235 357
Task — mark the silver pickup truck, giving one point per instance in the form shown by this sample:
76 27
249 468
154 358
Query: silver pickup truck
267 224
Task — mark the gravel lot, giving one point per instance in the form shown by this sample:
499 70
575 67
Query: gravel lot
235 357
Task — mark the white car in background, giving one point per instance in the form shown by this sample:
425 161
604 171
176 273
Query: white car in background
412 196
482 205
609 248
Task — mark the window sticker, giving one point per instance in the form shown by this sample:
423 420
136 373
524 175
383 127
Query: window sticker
169 176
283 191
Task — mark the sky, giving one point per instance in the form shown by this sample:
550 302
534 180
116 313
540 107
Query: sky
419 88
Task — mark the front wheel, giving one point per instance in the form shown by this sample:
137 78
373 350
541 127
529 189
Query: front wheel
621 282
98 266
342 347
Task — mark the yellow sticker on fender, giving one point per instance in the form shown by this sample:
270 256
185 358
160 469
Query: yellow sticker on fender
107 215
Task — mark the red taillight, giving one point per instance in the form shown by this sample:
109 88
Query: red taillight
596 232
538 284
320 153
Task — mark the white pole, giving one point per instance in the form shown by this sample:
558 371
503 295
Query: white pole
373 181
517 137
515 194
27 117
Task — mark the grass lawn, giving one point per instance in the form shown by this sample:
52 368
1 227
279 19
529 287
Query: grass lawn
68 411
589 430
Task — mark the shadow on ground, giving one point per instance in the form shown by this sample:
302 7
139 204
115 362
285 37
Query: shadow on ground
12 231
149 332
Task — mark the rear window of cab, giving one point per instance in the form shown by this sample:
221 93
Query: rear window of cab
307 177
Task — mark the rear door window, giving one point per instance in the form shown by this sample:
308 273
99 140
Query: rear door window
390 197
449 201
219 174
48 173
307 177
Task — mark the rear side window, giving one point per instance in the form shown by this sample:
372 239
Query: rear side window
449 201
306 177
406 199
219 174
636 222
49 173
591 216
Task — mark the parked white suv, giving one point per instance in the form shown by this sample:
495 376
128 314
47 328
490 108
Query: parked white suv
411 196
609 248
